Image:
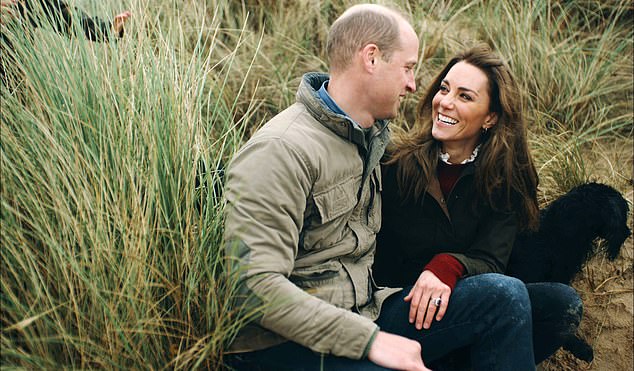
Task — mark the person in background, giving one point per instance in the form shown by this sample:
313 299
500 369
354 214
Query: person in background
61 16
457 188
303 209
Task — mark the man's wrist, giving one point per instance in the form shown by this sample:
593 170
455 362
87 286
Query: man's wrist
366 351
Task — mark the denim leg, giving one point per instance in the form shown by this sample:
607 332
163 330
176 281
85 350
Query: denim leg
291 356
557 310
490 312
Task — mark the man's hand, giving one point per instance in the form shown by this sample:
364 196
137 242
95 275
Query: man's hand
119 21
422 307
396 352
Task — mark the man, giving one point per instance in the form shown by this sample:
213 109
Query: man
304 205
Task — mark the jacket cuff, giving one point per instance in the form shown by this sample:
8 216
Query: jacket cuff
447 268
366 351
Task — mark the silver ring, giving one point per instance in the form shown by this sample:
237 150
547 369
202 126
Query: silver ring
436 301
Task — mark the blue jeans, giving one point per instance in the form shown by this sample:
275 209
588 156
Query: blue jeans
556 311
489 315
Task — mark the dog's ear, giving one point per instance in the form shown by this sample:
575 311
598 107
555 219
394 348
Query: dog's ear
615 230
615 240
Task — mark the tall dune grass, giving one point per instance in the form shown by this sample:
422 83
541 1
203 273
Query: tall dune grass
111 209
111 154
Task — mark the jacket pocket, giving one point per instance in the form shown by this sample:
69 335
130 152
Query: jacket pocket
336 201
326 281
303 277
330 211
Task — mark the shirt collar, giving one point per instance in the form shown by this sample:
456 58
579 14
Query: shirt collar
445 156
332 105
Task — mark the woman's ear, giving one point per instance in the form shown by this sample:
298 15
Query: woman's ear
490 121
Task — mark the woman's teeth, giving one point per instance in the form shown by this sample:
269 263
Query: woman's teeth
447 120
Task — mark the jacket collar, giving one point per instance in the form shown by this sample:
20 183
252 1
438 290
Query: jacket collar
308 95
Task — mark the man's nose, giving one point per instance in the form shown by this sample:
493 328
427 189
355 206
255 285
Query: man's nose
411 85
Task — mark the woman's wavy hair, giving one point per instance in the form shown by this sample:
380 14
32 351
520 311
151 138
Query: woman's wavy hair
505 176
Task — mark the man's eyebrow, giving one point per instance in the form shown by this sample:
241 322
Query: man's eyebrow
461 87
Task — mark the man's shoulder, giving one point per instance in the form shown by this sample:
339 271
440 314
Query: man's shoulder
297 127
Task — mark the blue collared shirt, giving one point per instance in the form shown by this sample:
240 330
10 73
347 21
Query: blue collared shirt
332 105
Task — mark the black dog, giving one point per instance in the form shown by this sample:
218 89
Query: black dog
565 241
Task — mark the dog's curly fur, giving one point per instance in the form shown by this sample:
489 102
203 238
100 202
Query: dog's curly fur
566 238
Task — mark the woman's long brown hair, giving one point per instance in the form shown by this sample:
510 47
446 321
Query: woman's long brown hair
505 176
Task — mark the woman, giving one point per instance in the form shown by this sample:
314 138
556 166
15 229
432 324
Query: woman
456 190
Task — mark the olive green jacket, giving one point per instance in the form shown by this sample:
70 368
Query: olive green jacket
302 214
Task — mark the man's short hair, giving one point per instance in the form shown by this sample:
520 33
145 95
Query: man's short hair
359 26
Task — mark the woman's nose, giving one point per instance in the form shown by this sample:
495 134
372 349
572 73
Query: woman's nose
447 101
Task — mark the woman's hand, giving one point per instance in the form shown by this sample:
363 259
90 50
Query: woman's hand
422 299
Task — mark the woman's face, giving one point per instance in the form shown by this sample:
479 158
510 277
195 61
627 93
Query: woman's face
460 108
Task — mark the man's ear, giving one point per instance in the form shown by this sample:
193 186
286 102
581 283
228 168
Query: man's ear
370 55
490 120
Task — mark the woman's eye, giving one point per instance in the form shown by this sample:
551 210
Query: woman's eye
466 97
443 88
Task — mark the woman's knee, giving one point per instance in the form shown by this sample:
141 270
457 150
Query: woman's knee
502 290
556 302
571 300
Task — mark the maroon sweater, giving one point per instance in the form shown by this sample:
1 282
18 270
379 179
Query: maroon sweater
447 268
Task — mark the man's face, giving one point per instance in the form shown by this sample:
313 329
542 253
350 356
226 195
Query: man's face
395 78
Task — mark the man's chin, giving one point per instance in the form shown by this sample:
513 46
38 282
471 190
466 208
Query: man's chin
389 116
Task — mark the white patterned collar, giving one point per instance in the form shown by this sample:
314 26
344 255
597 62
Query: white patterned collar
445 156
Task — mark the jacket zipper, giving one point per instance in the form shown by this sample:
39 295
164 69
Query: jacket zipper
442 202
373 186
